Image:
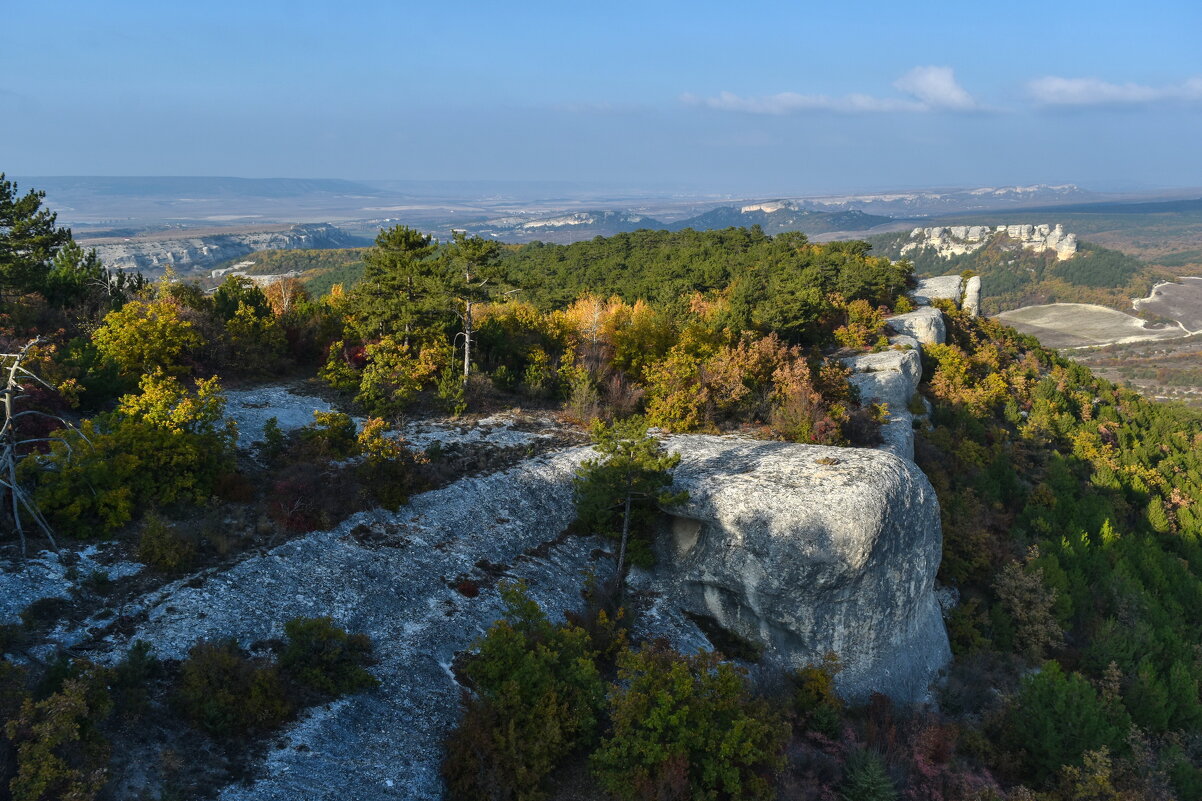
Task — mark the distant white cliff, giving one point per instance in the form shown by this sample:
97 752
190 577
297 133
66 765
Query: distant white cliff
957 240
191 252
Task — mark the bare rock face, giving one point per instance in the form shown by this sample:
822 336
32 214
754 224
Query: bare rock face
971 302
805 550
393 576
152 255
890 377
957 240
951 287
924 324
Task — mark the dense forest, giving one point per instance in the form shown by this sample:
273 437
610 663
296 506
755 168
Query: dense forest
1072 532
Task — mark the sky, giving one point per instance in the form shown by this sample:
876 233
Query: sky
752 97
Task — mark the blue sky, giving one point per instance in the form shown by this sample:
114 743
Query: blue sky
746 98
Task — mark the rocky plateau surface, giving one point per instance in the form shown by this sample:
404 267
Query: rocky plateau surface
797 549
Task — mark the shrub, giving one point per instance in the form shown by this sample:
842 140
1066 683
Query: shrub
164 548
331 435
225 693
865 779
324 658
163 446
129 679
687 724
255 340
1057 717
395 373
60 753
144 337
275 442
817 704
389 472
865 325
307 496
539 698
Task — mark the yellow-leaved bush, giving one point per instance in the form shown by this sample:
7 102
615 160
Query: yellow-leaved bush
165 445
141 338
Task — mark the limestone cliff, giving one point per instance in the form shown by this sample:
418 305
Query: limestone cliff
957 240
186 253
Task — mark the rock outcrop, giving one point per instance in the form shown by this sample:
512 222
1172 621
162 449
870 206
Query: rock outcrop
966 294
891 377
957 240
184 252
924 324
392 576
805 550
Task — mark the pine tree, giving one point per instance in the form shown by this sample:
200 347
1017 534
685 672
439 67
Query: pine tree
474 279
29 238
632 475
400 287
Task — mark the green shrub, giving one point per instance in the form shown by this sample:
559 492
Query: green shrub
275 442
687 726
817 704
1057 717
324 658
331 435
539 699
164 548
60 754
865 779
163 446
129 680
225 693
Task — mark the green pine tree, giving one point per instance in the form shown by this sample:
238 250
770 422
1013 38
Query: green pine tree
632 475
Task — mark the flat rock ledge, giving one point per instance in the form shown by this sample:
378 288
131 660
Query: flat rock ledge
394 577
804 550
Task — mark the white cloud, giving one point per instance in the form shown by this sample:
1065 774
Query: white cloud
929 89
1052 90
935 87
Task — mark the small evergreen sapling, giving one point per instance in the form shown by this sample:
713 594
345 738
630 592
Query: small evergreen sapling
630 477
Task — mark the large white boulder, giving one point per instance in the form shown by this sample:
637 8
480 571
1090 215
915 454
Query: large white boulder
805 550
924 324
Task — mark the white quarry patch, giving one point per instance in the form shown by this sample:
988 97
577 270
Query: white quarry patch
252 408
1071 325
498 430
45 575
1179 300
